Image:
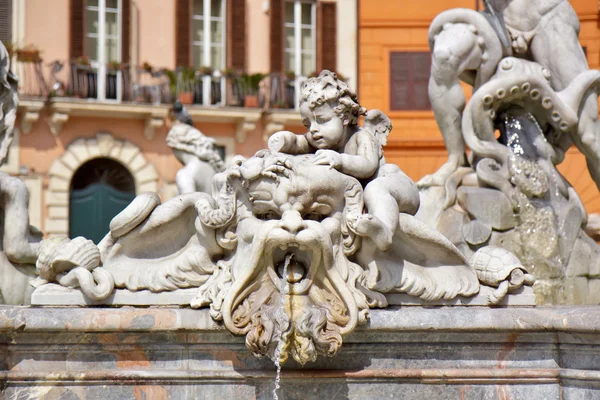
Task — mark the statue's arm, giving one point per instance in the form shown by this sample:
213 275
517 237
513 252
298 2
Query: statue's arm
16 221
365 162
289 143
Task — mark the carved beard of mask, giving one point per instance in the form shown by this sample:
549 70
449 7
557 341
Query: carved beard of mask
299 218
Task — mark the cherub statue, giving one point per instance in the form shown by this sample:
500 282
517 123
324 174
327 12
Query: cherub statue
330 111
468 46
197 154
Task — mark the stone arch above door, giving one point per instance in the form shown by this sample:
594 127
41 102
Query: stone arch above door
78 153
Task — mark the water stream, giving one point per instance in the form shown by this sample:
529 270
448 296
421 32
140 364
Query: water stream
281 317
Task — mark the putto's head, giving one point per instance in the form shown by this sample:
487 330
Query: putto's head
327 106
327 88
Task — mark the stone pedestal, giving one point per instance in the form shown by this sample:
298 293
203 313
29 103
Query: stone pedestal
407 353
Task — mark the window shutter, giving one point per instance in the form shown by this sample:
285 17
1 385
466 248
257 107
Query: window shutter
183 33
276 45
326 37
125 30
236 34
409 79
6 20
76 28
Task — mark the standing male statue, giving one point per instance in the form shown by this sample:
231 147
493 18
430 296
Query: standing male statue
19 244
544 31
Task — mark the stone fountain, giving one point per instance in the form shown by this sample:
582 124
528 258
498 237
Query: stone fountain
317 255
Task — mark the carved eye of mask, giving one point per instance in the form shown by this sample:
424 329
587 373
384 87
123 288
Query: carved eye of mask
319 211
315 216
269 216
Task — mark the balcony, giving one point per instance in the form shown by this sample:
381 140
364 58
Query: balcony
123 83
80 88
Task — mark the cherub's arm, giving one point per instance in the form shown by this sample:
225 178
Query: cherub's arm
289 143
361 165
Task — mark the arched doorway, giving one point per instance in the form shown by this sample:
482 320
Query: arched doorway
100 189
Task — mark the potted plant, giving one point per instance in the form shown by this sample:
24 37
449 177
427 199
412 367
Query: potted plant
83 61
147 67
291 75
205 71
250 84
186 80
229 73
29 53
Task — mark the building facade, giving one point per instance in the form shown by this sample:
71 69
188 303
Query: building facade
98 77
394 63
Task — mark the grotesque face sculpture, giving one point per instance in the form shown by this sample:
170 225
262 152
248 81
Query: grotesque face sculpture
289 278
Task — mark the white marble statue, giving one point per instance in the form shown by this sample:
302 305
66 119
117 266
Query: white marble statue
197 154
19 242
536 90
297 243
23 255
466 46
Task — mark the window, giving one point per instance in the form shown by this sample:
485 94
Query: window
103 31
409 79
300 38
208 34
103 44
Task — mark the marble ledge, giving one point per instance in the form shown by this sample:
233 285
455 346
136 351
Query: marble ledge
456 319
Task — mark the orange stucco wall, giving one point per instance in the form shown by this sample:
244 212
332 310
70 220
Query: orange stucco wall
415 143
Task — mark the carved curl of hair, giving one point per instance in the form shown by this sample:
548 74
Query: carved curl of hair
354 204
226 207
328 88
189 139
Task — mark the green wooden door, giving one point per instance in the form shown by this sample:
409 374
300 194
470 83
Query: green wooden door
92 209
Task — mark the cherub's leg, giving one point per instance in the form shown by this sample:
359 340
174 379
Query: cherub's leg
456 50
385 197
16 221
558 34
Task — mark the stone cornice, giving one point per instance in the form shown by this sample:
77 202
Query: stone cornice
581 319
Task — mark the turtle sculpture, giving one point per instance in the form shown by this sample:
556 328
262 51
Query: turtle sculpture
500 268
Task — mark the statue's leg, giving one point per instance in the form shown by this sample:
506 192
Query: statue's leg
455 51
385 197
16 221
558 35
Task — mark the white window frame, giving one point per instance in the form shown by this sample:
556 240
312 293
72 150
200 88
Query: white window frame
207 45
298 26
101 63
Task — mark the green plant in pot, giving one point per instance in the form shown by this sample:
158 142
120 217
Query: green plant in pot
29 53
185 83
249 84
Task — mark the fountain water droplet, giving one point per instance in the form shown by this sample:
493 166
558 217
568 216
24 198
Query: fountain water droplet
281 316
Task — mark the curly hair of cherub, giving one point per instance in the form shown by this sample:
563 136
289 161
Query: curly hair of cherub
328 88
189 139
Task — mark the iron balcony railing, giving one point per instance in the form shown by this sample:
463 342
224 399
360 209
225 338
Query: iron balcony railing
137 84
